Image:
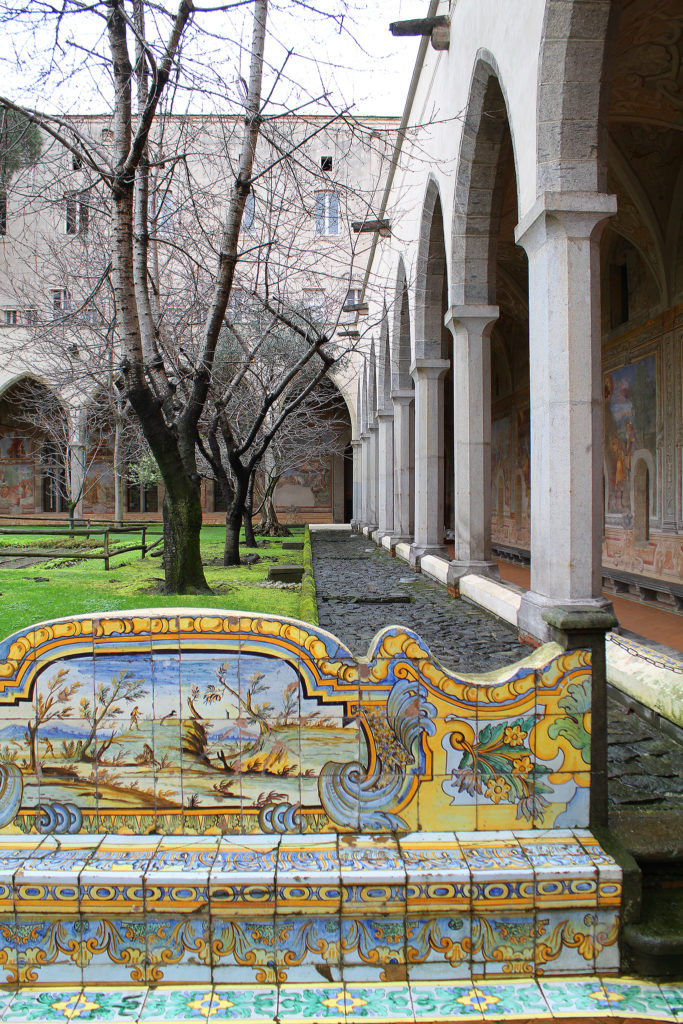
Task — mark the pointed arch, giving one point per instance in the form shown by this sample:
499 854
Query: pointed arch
431 284
401 347
484 146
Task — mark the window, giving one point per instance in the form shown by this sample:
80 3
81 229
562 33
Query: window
248 216
325 163
326 213
30 316
237 304
352 299
77 215
107 135
166 212
618 292
3 214
11 317
314 299
142 498
61 302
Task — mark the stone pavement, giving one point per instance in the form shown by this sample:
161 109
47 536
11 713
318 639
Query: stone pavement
361 588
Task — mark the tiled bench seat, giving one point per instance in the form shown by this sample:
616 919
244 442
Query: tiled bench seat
115 909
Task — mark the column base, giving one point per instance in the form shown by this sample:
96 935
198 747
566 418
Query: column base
531 625
417 551
457 569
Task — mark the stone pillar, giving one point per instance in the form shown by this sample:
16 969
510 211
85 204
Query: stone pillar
365 482
373 431
404 464
428 375
471 330
561 235
385 474
77 460
357 482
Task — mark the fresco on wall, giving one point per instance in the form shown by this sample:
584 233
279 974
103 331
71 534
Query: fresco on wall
630 417
98 493
16 487
307 486
510 457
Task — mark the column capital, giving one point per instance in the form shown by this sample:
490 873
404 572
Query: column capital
573 214
403 396
429 369
373 427
471 317
365 436
356 442
385 414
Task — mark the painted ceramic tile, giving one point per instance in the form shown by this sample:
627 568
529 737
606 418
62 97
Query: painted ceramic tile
448 1001
243 943
673 994
178 948
48 950
220 723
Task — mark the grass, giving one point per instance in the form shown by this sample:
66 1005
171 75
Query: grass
51 589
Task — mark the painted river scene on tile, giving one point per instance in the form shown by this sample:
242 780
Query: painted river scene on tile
235 731
238 724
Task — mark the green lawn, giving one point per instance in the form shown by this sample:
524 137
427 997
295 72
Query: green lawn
45 590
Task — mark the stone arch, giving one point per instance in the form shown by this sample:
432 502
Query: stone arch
35 437
573 95
384 371
478 191
431 286
401 355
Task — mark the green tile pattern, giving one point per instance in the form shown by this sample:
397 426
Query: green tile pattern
382 1002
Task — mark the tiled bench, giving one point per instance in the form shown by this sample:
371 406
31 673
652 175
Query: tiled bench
275 809
119 909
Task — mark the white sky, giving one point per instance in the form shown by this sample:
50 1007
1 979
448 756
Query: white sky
362 65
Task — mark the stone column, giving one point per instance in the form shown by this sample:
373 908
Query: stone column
428 375
385 474
77 460
471 330
561 235
365 481
357 484
404 464
373 431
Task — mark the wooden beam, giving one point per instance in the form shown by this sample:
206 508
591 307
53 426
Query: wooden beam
418 26
371 225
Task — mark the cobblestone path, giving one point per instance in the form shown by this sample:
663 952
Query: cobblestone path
361 588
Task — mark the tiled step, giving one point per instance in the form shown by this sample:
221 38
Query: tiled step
568 999
218 909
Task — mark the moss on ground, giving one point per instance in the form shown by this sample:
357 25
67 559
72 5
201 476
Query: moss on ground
45 590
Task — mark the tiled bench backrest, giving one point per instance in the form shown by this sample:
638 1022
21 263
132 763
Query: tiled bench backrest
190 721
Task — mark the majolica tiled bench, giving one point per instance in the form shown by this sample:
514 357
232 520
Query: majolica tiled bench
221 798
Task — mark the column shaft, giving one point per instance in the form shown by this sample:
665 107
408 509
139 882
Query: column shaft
428 376
471 330
404 463
385 475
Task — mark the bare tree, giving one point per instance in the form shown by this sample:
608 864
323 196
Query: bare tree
168 296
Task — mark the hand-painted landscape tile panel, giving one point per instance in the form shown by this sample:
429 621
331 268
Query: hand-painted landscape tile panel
227 723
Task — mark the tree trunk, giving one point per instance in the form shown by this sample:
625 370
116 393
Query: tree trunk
247 515
118 497
234 516
183 569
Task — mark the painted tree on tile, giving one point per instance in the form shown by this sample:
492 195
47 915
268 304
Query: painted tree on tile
51 705
105 710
